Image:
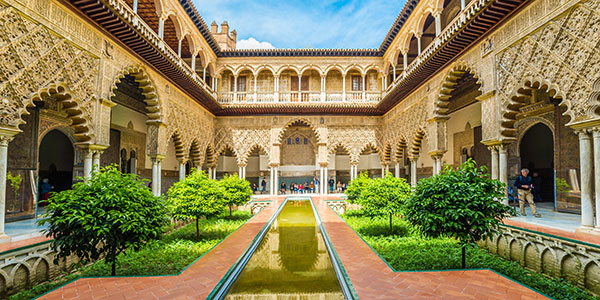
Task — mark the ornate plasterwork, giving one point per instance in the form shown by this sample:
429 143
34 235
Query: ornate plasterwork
403 126
354 139
153 105
190 131
561 58
449 83
36 63
242 140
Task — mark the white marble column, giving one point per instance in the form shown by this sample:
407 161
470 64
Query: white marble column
276 180
438 23
397 170
4 140
161 28
135 6
96 160
244 172
159 188
413 171
343 87
326 179
155 176
596 135
382 171
439 164
434 167
181 170
322 183
503 167
271 169
586 169
88 161
494 153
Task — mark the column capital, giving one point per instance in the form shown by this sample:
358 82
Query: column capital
242 165
486 96
413 158
157 157
7 135
437 153
273 165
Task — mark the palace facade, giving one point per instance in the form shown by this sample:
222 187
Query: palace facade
149 86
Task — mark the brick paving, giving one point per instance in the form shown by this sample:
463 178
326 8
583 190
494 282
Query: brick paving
371 277
22 243
579 236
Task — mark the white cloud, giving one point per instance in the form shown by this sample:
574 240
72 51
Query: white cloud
252 43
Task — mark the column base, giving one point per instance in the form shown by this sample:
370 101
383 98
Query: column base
585 229
4 239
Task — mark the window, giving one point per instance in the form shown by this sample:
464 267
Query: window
289 141
241 83
305 141
357 83
297 140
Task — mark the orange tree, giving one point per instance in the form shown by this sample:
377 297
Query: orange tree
464 204
103 216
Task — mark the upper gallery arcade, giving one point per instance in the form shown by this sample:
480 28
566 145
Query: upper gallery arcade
149 86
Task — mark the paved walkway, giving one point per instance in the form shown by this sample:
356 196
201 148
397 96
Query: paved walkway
196 282
373 279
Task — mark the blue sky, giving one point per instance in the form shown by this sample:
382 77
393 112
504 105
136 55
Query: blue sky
304 24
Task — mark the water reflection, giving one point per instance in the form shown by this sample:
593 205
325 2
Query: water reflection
291 261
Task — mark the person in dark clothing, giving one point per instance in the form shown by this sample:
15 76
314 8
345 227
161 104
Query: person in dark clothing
537 184
331 183
524 186
263 185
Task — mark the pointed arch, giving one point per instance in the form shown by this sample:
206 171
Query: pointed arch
153 105
299 121
226 147
520 96
196 153
81 121
260 148
209 154
387 153
400 149
416 143
370 146
448 85
179 145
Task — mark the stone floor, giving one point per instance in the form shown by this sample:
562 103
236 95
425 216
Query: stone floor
371 277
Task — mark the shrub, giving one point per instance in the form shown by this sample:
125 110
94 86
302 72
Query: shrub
235 190
196 196
463 203
384 197
104 216
357 186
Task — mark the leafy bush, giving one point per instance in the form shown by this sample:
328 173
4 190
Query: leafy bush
168 255
357 186
196 196
412 252
562 187
104 216
463 204
384 197
235 190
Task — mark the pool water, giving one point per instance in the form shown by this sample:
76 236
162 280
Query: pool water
290 262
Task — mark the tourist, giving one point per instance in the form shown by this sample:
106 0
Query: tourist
306 187
339 187
317 182
525 186
331 182
254 188
45 189
263 184
312 187
301 188
537 186
283 187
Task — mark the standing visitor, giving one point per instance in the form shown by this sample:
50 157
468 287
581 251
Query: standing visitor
301 188
339 187
524 185
263 184
317 182
331 183
312 187
283 186
45 190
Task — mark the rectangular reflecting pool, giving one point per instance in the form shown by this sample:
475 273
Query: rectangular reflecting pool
291 261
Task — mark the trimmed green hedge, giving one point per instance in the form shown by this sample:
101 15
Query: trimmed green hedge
408 251
170 254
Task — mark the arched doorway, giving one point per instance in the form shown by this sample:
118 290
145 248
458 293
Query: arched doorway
537 154
56 159
298 156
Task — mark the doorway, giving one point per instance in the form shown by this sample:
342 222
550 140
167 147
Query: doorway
56 158
537 155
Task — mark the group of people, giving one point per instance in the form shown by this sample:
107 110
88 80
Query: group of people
301 188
